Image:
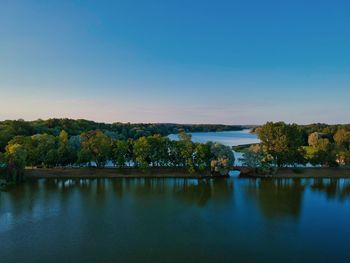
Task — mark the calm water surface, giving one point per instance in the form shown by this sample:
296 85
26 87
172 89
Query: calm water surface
177 220
230 138
174 220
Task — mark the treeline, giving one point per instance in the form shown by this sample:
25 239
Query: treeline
294 145
326 130
96 148
121 131
330 130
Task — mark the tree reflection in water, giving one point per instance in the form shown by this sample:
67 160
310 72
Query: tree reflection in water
276 198
333 188
192 191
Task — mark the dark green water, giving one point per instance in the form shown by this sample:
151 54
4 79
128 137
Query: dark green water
176 220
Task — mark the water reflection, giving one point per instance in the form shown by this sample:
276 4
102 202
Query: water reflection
109 219
333 188
202 191
277 198
46 192
283 198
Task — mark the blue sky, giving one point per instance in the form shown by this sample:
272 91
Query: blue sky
235 62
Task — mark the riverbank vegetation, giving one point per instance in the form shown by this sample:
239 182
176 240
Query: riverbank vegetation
290 145
97 148
69 143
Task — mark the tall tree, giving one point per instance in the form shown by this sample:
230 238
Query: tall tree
222 158
257 160
202 156
65 151
142 152
313 138
342 138
95 147
43 150
283 142
120 153
159 150
16 161
324 154
186 147
174 156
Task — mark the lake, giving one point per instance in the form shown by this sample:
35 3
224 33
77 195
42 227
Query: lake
229 138
177 220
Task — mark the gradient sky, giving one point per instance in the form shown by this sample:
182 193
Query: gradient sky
234 62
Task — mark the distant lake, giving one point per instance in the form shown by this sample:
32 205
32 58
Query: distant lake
176 220
229 138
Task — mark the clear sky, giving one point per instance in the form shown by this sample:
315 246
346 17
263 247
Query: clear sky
206 61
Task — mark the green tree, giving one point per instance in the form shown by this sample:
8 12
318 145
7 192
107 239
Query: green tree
95 147
324 154
313 139
66 154
120 150
283 142
342 138
223 158
43 149
186 151
257 160
130 155
51 158
174 156
159 150
16 161
202 156
75 146
142 152
5 136
26 142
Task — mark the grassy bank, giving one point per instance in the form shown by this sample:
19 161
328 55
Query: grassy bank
113 173
243 148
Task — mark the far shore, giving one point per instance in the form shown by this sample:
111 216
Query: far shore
157 172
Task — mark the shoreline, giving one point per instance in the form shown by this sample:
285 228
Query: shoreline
306 172
92 173
161 172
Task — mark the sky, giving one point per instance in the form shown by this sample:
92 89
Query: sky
207 61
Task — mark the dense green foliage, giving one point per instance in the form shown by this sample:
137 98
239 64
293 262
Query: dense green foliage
327 129
123 131
97 148
292 145
15 155
65 142
283 142
258 160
